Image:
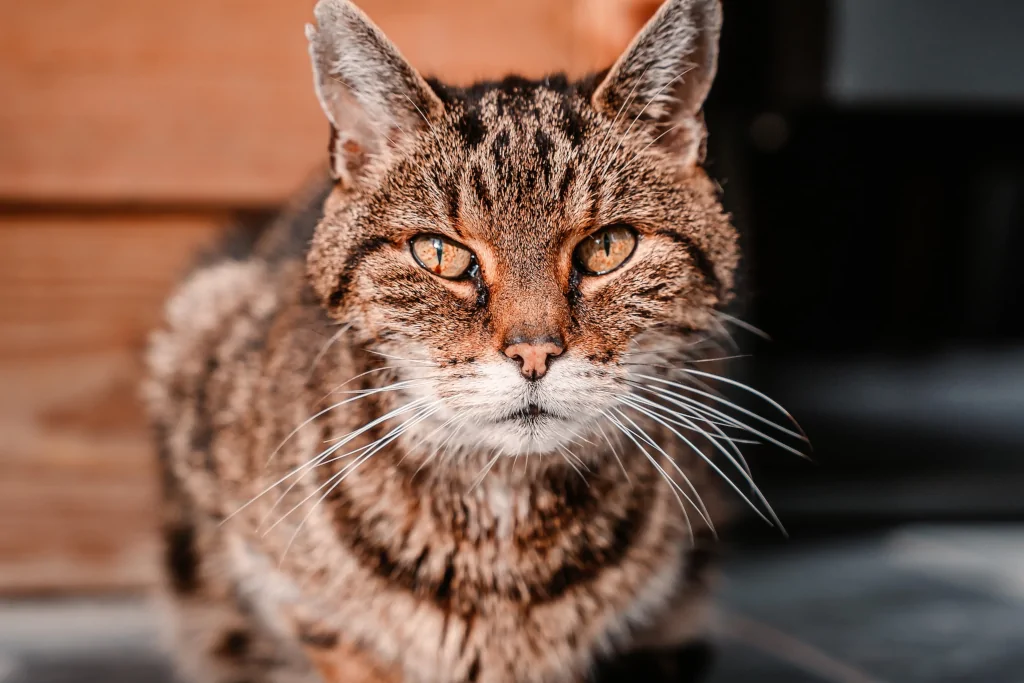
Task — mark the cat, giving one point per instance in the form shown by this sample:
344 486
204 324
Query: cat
437 425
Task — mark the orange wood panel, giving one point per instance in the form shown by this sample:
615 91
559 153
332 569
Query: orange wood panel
210 101
77 486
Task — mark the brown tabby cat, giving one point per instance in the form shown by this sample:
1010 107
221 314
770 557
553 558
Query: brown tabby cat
440 438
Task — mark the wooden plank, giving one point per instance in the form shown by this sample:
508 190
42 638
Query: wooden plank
210 101
77 485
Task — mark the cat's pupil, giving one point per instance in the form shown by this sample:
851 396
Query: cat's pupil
439 250
607 239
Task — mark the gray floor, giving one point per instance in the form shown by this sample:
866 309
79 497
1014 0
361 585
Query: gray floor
916 605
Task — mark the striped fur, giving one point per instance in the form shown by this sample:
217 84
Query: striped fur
475 545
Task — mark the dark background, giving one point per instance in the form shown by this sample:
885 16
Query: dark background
872 152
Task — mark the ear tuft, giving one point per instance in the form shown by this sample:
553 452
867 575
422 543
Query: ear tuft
666 73
374 99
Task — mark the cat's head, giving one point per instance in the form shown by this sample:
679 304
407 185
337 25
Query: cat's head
514 249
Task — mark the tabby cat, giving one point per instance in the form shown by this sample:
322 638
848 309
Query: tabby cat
441 422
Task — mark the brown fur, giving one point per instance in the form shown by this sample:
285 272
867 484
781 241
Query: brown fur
479 544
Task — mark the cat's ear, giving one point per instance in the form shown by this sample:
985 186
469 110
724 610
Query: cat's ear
374 99
665 74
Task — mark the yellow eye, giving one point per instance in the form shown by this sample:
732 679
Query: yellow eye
441 256
605 250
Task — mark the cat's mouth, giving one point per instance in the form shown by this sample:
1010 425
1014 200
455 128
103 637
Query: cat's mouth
531 413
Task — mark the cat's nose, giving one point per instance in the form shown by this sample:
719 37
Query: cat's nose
534 355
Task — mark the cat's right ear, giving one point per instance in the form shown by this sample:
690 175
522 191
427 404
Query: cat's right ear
374 99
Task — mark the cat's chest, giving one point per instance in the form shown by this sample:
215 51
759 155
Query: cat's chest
487 581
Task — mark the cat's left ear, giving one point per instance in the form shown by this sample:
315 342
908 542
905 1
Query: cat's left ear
374 99
665 74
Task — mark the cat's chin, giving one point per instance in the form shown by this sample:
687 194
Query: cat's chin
531 431
530 416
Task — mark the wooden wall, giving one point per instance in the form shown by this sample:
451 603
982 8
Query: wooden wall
131 131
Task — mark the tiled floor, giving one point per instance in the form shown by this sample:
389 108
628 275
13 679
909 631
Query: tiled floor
916 605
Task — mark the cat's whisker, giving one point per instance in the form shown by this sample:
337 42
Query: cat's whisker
404 385
426 438
691 413
354 466
394 386
364 374
487 469
339 476
322 458
580 437
309 465
301 468
743 324
640 431
451 440
570 441
671 361
418 404
726 402
575 457
701 417
687 361
674 486
574 467
699 383
353 379
460 421
774 521
675 347
398 358
368 392
764 397
725 334
676 339
323 350
615 451
696 409
678 418
686 401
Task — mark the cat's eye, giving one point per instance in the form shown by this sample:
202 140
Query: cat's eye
605 250
441 256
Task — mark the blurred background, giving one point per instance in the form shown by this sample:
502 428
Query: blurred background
871 151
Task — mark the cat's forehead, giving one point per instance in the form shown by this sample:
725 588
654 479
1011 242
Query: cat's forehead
519 153
552 104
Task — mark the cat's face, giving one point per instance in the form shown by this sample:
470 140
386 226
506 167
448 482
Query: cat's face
514 249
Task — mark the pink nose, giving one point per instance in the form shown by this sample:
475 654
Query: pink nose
533 357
